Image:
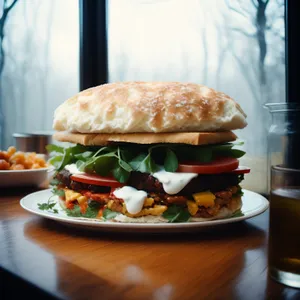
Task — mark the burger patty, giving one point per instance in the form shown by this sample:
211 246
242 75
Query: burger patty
212 182
146 182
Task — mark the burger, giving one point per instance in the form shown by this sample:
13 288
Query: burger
148 152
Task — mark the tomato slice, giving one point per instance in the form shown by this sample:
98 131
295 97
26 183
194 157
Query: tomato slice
241 170
219 165
96 180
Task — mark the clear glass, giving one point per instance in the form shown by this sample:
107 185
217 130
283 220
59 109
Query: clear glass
284 135
284 227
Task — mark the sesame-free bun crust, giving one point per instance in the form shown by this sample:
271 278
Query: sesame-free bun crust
139 107
102 139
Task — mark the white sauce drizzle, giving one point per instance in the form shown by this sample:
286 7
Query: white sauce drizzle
133 198
72 168
173 183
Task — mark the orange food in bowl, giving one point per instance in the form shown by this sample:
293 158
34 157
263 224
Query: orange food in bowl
18 160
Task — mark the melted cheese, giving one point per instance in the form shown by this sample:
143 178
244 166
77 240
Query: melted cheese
173 183
72 168
133 198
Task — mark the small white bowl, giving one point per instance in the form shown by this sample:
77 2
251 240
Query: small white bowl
30 177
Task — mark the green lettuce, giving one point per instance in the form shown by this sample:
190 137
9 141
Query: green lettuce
119 161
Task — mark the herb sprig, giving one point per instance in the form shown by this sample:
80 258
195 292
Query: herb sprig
49 206
176 214
91 211
109 214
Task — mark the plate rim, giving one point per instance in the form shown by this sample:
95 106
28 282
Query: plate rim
118 225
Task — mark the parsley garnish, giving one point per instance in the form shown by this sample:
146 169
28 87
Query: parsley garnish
240 178
49 206
176 214
240 191
91 211
58 192
109 214
54 182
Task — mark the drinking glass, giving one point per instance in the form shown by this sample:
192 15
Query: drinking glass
284 136
284 227
284 187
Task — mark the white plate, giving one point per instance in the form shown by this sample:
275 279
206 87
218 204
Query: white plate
253 205
30 177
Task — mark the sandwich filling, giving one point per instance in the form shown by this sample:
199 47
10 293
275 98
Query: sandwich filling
154 180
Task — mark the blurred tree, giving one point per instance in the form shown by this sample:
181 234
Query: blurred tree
258 19
5 9
5 12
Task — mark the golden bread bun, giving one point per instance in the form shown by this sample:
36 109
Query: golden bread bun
137 107
102 139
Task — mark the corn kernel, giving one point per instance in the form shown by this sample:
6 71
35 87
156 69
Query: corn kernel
71 195
206 199
148 202
109 204
192 207
82 199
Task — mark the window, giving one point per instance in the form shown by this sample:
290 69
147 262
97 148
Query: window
224 44
235 46
41 70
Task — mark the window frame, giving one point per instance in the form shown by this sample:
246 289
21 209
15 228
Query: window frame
93 43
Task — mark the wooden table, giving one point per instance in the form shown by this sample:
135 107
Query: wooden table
44 256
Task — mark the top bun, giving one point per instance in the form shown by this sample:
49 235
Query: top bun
132 107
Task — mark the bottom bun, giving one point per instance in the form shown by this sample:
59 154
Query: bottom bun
146 219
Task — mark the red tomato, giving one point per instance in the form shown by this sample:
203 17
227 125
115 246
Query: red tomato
96 180
241 170
219 165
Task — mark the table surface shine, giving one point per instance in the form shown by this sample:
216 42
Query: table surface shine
228 262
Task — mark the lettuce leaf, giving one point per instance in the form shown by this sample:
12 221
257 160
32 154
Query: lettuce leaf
120 161
176 214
